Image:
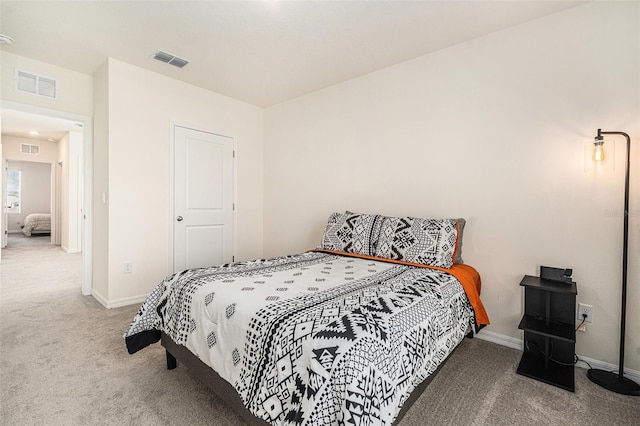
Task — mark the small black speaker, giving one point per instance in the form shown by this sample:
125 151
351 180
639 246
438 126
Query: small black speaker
556 274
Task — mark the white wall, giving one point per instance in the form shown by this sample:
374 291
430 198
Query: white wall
491 130
141 109
73 242
11 150
70 156
100 231
62 185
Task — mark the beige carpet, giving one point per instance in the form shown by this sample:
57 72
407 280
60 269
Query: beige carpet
63 362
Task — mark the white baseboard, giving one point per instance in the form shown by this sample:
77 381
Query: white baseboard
100 298
601 365
514 343
500 339
69 251
118 303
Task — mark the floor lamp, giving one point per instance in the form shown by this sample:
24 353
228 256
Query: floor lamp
611 380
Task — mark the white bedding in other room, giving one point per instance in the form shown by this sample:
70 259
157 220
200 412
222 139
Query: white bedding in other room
36 222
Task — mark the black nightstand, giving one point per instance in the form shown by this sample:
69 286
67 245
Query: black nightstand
549 331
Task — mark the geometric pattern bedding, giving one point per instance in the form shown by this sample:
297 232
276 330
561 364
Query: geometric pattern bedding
426 241
312 338
352 233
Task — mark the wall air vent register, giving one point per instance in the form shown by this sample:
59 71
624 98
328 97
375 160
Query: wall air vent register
28 82
170 59
25 148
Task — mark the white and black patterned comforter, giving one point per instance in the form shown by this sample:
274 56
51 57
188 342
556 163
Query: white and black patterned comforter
313 338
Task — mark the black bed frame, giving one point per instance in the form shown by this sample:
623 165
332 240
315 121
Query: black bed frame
227 392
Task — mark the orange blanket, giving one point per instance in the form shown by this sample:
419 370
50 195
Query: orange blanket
467 275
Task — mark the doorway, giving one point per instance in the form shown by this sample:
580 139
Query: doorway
28 199
75 196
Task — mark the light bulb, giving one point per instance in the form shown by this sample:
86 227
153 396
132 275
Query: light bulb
598 152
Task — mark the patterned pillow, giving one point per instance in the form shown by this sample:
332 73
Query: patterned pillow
426 241
352 233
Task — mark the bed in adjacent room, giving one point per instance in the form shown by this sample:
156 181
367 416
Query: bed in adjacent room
344 334
37 223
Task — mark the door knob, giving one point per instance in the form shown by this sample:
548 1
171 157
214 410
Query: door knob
179 218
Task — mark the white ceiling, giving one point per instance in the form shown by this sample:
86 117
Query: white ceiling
260 52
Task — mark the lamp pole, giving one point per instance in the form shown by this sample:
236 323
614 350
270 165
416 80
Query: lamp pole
609 380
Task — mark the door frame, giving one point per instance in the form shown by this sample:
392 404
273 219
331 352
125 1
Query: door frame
87 199
171 212
56 208
5 215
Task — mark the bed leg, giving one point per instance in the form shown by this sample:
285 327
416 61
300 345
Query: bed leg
171 361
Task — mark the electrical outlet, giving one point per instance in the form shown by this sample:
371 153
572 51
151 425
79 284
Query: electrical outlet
128 267
585 309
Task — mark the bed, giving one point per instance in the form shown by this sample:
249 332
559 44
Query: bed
37 223
348 333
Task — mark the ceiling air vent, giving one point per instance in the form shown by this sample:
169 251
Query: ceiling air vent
25 148
168 58
35 84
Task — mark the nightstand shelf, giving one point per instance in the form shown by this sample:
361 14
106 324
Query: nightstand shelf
557 330
549 331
